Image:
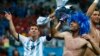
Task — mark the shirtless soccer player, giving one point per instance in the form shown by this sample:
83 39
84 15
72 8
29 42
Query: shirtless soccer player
94 14
75 43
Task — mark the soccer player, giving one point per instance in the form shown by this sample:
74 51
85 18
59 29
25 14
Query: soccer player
33 45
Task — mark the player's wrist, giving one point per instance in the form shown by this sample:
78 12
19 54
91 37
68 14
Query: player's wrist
61 21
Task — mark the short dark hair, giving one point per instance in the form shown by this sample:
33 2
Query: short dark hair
97 9
32 24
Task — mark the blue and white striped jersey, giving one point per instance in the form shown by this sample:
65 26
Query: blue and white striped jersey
32 48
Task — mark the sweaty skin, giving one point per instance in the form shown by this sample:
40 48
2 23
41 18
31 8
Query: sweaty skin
74 46
94 32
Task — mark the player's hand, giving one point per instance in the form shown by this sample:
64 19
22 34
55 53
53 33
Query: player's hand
87 37
8 16
64 17
52 16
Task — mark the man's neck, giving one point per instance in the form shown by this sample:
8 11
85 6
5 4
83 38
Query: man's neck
75 34
94 25
34 38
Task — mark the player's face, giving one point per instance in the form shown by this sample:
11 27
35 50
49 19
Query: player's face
74 26
95 17
34 31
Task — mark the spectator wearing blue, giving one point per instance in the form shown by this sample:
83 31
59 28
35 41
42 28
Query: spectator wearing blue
3 25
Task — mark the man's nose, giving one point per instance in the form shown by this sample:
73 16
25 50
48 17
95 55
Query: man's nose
97 16
33 30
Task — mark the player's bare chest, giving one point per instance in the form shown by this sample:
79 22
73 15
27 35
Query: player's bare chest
74 43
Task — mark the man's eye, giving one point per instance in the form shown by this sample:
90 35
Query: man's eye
35 29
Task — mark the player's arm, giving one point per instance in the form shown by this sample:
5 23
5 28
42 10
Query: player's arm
8 16
92 7
99 39
56 33
92 45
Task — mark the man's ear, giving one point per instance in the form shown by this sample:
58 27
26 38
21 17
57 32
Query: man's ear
40 31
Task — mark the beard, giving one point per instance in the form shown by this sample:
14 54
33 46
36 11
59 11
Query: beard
96 22
74 29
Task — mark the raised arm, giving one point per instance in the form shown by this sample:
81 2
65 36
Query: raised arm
56 33
11 25
92 7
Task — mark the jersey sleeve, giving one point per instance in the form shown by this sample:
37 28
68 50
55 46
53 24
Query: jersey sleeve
22 38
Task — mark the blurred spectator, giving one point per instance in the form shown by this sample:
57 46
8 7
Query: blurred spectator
3 26
19 27
15 52
52 54
21 10
6 42
3 52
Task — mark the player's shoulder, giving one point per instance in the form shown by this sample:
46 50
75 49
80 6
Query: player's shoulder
67 33
42 38
83 40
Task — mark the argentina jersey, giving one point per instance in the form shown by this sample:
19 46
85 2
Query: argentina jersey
32 48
